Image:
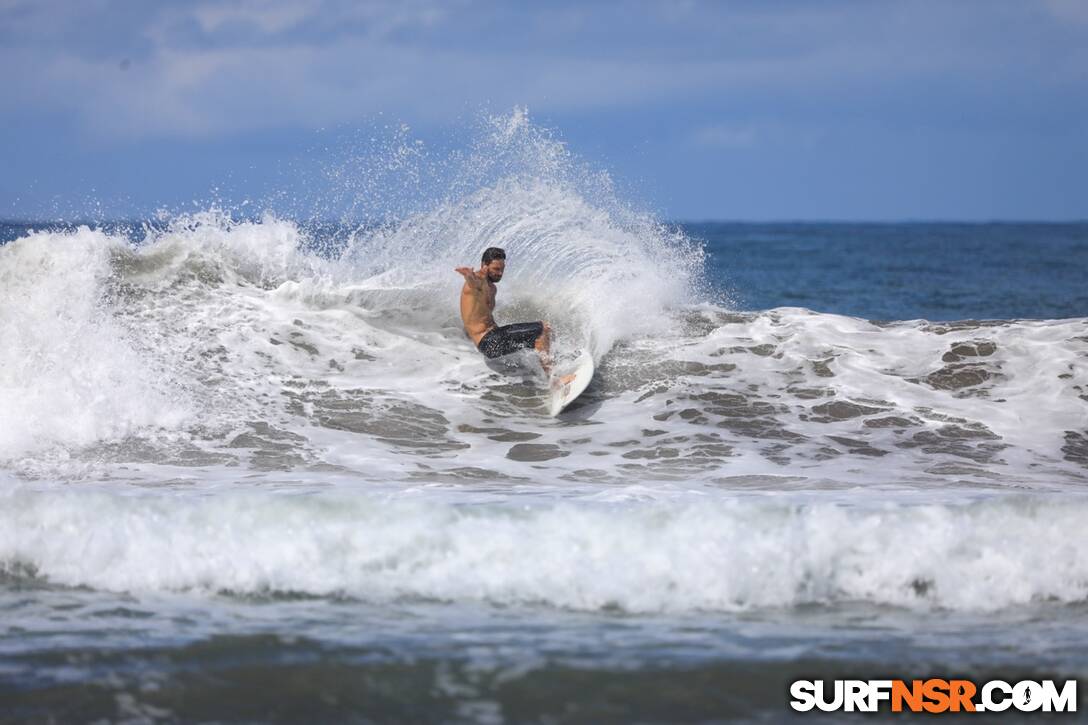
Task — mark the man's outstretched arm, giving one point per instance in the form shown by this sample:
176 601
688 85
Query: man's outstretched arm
472 277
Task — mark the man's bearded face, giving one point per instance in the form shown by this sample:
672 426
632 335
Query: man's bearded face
495 269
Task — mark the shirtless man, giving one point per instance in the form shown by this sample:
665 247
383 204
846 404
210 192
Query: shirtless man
477 305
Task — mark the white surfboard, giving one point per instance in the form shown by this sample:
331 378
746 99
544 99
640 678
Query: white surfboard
563 395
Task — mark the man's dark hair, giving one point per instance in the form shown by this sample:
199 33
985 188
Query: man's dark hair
493 253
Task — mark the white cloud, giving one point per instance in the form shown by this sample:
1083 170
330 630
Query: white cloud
227 67
265 15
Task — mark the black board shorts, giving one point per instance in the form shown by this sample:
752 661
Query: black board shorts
504 340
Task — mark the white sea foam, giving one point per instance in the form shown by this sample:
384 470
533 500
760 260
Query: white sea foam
68 374
193 362
207 319
669 556
234 341
1020 381
212 326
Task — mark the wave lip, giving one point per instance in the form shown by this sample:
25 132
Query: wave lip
724 555
69 374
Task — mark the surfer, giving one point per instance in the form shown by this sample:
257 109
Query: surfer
478 304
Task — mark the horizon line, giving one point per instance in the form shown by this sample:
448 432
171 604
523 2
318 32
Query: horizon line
13 221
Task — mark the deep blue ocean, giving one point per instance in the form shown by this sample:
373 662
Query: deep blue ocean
889 271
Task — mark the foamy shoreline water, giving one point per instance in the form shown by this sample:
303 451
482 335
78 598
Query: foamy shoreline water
684 554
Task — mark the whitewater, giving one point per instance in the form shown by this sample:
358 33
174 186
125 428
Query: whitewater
218 430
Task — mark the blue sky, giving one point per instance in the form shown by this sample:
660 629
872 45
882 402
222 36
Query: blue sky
821 109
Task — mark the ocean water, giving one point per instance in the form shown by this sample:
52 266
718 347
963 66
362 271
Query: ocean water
251 469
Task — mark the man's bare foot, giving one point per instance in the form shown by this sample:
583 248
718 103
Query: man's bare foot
565 380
